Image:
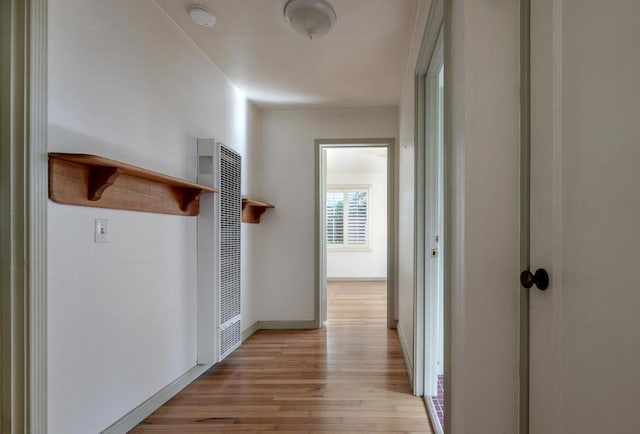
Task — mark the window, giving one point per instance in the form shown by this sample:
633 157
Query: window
347 217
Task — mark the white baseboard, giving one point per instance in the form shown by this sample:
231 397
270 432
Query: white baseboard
287 325
277 325
408 361
138 414
246 334
356 279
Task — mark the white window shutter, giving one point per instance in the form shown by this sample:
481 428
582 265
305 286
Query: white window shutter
347 217
357 221
335 217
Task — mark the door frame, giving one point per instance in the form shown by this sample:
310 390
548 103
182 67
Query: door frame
433 30
525 205
23 216
320 296
432 223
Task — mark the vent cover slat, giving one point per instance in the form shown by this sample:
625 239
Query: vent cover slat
230 214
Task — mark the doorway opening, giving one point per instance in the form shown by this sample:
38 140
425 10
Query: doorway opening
355 215
354 232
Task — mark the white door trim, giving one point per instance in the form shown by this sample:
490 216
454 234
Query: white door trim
431 222
427 49
525 204
547 250
23 216
320 249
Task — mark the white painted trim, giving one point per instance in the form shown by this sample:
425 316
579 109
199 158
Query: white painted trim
141 412
6 233
408 361
277 325
419 238
452 222
249 331
427 49
433 320
38 181
320 295
525 207
7 394
24 180
287 325
392 213
356 279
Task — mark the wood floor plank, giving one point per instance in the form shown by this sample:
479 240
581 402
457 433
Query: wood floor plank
345 378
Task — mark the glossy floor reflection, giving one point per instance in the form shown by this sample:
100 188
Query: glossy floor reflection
346 377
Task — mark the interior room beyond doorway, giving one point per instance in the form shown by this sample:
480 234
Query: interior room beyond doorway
355 223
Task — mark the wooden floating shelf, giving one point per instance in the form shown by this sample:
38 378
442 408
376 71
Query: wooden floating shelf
89 180
253 209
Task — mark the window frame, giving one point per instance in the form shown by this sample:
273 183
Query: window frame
346 189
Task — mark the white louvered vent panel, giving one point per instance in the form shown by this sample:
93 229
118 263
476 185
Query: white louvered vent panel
230 339
230 213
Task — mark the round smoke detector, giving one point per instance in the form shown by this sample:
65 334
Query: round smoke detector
202 16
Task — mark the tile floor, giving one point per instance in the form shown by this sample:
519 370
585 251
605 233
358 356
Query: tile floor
438 400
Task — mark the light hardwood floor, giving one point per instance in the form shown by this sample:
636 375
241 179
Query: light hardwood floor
345 378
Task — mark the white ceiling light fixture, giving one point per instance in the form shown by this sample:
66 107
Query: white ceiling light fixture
312 18
202 16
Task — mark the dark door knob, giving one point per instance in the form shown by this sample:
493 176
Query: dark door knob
540 279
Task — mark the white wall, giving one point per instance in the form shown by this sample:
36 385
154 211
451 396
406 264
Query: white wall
482 115
126 83
250 232
371 263
286 269
482 79
406 218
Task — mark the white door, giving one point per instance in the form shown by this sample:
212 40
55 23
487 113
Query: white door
585 216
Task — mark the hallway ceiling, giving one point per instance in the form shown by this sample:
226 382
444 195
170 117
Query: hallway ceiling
360 63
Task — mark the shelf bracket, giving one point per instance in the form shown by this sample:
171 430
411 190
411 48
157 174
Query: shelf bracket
252 210
101 178
189 197
256 213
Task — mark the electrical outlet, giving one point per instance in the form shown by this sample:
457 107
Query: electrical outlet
101 231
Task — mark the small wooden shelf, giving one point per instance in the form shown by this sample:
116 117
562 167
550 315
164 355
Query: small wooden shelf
253 209
89 180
